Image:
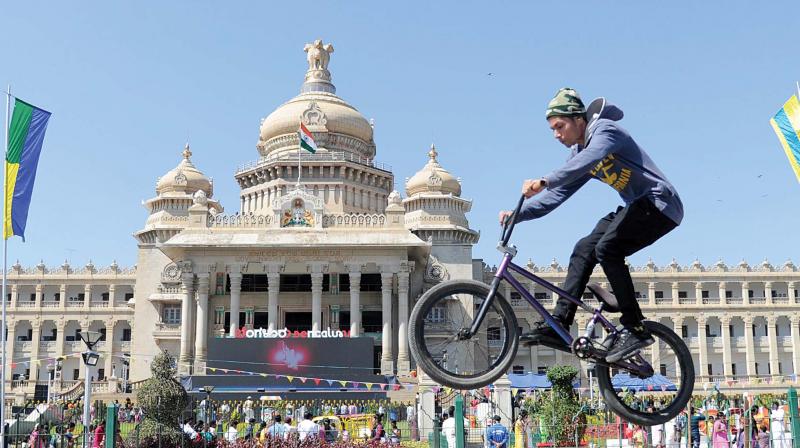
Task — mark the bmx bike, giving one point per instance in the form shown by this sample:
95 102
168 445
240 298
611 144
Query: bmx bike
465 336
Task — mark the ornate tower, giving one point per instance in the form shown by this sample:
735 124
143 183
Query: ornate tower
342 173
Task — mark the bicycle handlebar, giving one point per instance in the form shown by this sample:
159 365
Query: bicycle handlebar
508 226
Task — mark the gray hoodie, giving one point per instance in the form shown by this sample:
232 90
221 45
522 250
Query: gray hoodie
611 155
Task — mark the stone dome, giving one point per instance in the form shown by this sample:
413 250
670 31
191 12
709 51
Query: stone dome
335 124
185 178
432 178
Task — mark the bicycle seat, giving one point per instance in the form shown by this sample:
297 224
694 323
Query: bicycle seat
610 300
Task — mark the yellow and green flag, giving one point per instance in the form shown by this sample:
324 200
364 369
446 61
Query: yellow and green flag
787 125
25 138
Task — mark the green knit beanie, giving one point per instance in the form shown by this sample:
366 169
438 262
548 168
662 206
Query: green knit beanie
567 102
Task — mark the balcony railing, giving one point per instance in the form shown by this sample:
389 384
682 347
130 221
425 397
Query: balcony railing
50 304
710 300
74 304
734 301
687 301
757 300
26 304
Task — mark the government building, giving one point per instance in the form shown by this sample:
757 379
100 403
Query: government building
323 243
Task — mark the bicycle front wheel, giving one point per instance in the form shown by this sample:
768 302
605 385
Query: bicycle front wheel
439 316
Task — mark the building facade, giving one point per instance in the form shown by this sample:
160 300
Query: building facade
48 308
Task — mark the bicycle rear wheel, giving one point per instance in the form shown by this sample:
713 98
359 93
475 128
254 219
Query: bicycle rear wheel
439 316
661 396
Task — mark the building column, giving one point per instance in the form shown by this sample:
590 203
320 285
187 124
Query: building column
795 319
651 293
14 296
768 292
11 324
62 293
403 361
698 293
790 292
112 295
722 288
355 300
316 298
236 294
387 362
750 354
201 336
702 341
675 287
87 296
187 284
273 289
109 350
745 292
535 358
678 323
60 337
35 340
772 332
39 296
727 368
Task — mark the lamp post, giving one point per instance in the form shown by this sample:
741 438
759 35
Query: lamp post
90 358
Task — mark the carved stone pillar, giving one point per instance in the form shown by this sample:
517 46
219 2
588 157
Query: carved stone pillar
768 295
187 288
354 271
316 301
702 344
745 292
750 354
790 292
698 293
387 358
403 361
273 289
722 287
795 319
201 336
772 329
678 322
235 276
675 288
651 293
727 368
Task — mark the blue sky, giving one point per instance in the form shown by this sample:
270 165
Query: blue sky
128 82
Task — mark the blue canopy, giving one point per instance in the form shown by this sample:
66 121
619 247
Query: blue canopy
656 383
533 381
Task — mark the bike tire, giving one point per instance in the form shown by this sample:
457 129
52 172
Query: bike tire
424 359
683 394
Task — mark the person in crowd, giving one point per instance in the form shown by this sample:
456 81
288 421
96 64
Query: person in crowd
521 430
777 427
307 428
189 430
497 434
394 433
762 437
208 433
719 437
694 426
247 409
330 433
639 437
378 433
99 435
277 430
249 429
69 436
232 434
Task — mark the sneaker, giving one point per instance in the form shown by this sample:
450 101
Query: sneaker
629 341
544 334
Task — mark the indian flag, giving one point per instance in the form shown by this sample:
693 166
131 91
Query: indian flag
306 140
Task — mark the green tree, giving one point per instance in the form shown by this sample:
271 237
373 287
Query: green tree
163 400
559 412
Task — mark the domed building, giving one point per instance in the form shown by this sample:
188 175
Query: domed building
321 247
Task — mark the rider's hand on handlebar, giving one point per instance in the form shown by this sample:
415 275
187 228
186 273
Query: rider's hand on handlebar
504 215
532 187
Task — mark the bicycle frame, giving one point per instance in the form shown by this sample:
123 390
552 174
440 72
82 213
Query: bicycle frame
504 273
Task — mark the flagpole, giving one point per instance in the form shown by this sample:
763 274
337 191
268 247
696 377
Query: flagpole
299 147
797 83
5 263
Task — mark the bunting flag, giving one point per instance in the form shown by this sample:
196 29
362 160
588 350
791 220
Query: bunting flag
786 124
317 380
343 383
302 379
290 378
25 138
369 386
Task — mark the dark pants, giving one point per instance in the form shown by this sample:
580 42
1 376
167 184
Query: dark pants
616 236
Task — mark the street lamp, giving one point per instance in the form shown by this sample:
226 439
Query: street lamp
90 358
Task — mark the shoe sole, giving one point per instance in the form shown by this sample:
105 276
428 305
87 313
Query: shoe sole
614 357
556 344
